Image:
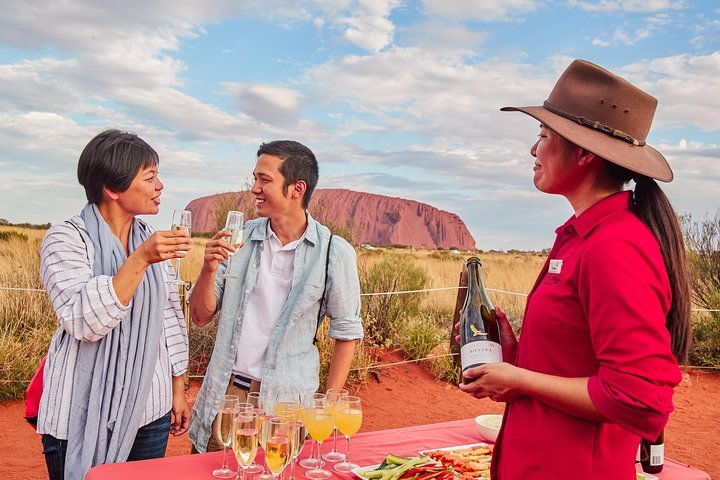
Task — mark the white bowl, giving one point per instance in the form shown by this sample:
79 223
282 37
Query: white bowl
488 426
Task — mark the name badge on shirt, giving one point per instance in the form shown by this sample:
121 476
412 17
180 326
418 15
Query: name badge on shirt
555 266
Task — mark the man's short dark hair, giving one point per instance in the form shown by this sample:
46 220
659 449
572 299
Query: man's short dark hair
113 159
298 163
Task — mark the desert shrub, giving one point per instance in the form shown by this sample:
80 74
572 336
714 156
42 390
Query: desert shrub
417 336
703 244
393 273
362 360
8 235
27 320
444 366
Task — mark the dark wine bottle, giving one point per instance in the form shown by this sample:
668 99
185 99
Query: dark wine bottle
652 454
479 330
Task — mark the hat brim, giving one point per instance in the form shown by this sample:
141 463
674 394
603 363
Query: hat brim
641 159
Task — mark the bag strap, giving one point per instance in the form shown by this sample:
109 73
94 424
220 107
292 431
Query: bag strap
321 315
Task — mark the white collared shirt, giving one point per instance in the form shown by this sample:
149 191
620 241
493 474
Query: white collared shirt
274 280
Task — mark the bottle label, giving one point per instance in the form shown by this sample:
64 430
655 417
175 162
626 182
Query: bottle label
477 353
657 455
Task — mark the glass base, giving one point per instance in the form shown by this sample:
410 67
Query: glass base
345 467
334 456
253 468
224 473
311 463
264 476
317 474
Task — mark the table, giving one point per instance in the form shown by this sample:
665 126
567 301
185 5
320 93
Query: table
366 449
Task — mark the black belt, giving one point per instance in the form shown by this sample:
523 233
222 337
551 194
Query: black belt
241 382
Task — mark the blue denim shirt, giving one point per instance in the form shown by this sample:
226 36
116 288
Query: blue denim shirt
292 361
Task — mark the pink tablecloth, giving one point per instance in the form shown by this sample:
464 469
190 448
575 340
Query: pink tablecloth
367 449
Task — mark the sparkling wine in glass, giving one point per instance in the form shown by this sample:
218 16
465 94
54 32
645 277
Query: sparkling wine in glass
278 444
258 406
313 461
292 410
224 432
333 394
234 225
348 418
245 440
181 220
319 422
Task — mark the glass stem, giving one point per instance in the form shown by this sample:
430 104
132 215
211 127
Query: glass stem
335 435
292 468
178 278
347 450
319 455
225 450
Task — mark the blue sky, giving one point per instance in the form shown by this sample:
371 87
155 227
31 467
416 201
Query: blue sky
395 97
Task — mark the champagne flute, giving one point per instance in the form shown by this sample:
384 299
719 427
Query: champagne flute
258 406
181 220
333 394
223 432
245 439
348 418
312 462
293 412
234 225
319 422
278 444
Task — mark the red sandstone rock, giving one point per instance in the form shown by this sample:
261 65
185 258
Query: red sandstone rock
373 219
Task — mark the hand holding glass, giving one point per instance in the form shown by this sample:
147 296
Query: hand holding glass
181 221
234 225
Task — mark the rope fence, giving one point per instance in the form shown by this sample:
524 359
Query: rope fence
371 294
374 294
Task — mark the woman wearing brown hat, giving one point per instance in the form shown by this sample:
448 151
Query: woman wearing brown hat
609 316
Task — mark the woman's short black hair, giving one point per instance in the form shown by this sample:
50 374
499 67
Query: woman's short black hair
113 159
298 163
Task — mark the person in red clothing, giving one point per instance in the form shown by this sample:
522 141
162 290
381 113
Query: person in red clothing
608 319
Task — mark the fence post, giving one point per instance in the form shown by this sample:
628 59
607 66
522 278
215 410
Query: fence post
459 302
185 303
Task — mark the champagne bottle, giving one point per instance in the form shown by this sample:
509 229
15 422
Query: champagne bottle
652 454
479 329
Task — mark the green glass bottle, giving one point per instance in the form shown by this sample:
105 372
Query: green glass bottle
479 329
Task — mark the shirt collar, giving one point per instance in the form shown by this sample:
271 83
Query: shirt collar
264 231
590 218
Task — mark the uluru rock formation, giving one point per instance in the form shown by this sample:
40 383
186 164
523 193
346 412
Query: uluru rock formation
372 219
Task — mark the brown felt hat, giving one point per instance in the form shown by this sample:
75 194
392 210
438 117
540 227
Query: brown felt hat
605 114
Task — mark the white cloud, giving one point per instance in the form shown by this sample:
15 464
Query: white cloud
681 83
269 104
484 11
368 25
628 5
438 35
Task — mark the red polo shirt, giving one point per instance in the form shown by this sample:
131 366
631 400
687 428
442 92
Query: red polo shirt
597 310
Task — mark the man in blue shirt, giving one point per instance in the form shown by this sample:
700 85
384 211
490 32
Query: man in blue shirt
269 305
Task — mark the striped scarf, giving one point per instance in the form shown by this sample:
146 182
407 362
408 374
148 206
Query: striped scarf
115 373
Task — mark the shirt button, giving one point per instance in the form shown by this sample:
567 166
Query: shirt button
247 292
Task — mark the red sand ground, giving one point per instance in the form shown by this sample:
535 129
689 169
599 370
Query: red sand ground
408 395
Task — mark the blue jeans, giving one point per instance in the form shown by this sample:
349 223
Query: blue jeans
150 442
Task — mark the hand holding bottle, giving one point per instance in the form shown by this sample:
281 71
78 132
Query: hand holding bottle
217 250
